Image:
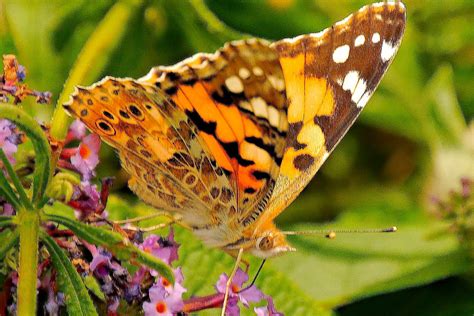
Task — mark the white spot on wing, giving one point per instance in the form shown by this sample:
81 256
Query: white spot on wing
246 105
234 84
350 81
341 54
273 116
276 83
359 91
387 51
365 98
257 71
376 38
259 107
359 41
244 73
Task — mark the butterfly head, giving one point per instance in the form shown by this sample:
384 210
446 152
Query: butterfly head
269 242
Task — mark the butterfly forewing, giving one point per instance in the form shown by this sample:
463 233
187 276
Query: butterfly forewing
329 78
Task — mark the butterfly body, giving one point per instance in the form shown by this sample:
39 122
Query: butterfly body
228 140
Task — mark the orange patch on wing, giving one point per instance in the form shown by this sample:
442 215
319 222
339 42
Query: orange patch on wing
250 128
217 151
205 106
182 101
233 117
262 162
318 98
293 71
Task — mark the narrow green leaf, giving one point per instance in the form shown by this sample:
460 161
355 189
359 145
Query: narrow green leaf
16 181
7 192
93 58
6 221
27 124
447 110
8 243
116 243
93 285
78 301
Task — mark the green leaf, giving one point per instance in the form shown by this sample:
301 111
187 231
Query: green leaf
336 272
31 128
7 192
8 242
93 285
78 301
16 181
446 108
116 243
6 220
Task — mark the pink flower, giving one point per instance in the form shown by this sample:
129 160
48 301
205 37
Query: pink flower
77 131
9 139
85 200
250 295
162 302
164 248
87 156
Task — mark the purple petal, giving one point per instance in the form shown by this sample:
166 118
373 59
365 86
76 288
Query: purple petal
157 292
221 283
100 264
251 295
240 278
87 156
232 308
77 129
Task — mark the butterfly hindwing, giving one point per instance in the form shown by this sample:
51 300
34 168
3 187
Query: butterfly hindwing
157 145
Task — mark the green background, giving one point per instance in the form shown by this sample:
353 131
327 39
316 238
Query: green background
412 142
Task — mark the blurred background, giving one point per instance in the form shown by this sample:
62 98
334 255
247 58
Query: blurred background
408 161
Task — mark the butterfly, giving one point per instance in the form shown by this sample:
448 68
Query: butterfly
228 140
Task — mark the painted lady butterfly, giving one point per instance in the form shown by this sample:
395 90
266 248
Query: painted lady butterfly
228 140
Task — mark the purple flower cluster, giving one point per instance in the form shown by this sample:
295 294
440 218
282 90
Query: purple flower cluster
10 138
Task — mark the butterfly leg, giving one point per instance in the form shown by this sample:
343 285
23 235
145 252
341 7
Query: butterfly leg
229 281
143 218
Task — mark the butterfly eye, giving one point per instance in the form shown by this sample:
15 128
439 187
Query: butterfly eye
264 243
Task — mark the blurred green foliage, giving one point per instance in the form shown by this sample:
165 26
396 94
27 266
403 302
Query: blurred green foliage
411 143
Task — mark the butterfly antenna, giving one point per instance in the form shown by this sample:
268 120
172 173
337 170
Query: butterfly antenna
331 233
255 277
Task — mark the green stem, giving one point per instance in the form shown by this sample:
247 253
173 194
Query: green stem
28 227
214 25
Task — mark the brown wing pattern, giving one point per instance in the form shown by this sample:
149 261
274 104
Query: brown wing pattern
329 78
236 97
158 146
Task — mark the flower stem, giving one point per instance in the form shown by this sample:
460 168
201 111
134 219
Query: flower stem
28 227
